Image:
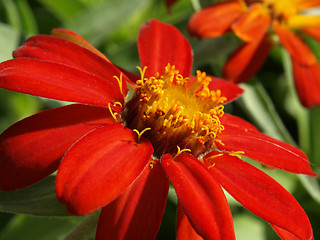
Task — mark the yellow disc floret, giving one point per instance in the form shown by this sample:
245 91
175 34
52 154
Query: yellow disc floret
180 112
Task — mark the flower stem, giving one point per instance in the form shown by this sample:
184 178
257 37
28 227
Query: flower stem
308 128
196 5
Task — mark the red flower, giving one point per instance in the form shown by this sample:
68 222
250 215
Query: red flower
255 22
119 154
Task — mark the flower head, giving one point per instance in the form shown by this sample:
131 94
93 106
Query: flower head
255 22
118 154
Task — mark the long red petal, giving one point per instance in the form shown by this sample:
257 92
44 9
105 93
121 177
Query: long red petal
57 81
32 148
247 60
260 194
137 213
160 44
77 39
307 81
184 229
260 147
99 167
294 45
201 198
285 235
215 20
253 24
58 50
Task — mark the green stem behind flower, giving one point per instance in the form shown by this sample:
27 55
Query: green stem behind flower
260 108
309 130
196 5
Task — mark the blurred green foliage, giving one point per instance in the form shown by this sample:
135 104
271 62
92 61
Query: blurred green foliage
111 26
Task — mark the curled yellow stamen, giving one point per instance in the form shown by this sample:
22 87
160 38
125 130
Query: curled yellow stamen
211 159
119 80
140 133
236 154
212 165
142 72
114 115
181 151
117 103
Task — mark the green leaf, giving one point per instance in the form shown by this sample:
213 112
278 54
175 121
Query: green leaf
8 43
12 14
28 22
99 22
63 10
248 227
15 106
37 199
28 227
312 186
315 136
261 109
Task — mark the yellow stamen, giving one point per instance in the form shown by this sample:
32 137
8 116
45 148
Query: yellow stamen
142 73
236 154
179 112
213 157
151 163
219 141
119 80
212 165
117 103
140 133
181 151
114 115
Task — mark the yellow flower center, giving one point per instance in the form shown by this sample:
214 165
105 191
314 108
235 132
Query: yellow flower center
290 12
176 111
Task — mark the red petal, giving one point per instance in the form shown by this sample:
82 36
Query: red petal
229 90
294 45
201 198
137 213
260 194
307 80
260 147
253 24
247 60
184 229
284 235
313 32
58 50
32 148
57 81
99 167
77 39
215 20
160 44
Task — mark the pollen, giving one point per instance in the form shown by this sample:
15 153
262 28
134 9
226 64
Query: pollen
177 111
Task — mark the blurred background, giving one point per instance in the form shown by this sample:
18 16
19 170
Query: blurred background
269 102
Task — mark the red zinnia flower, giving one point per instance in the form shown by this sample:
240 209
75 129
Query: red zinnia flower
254 22
119 154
